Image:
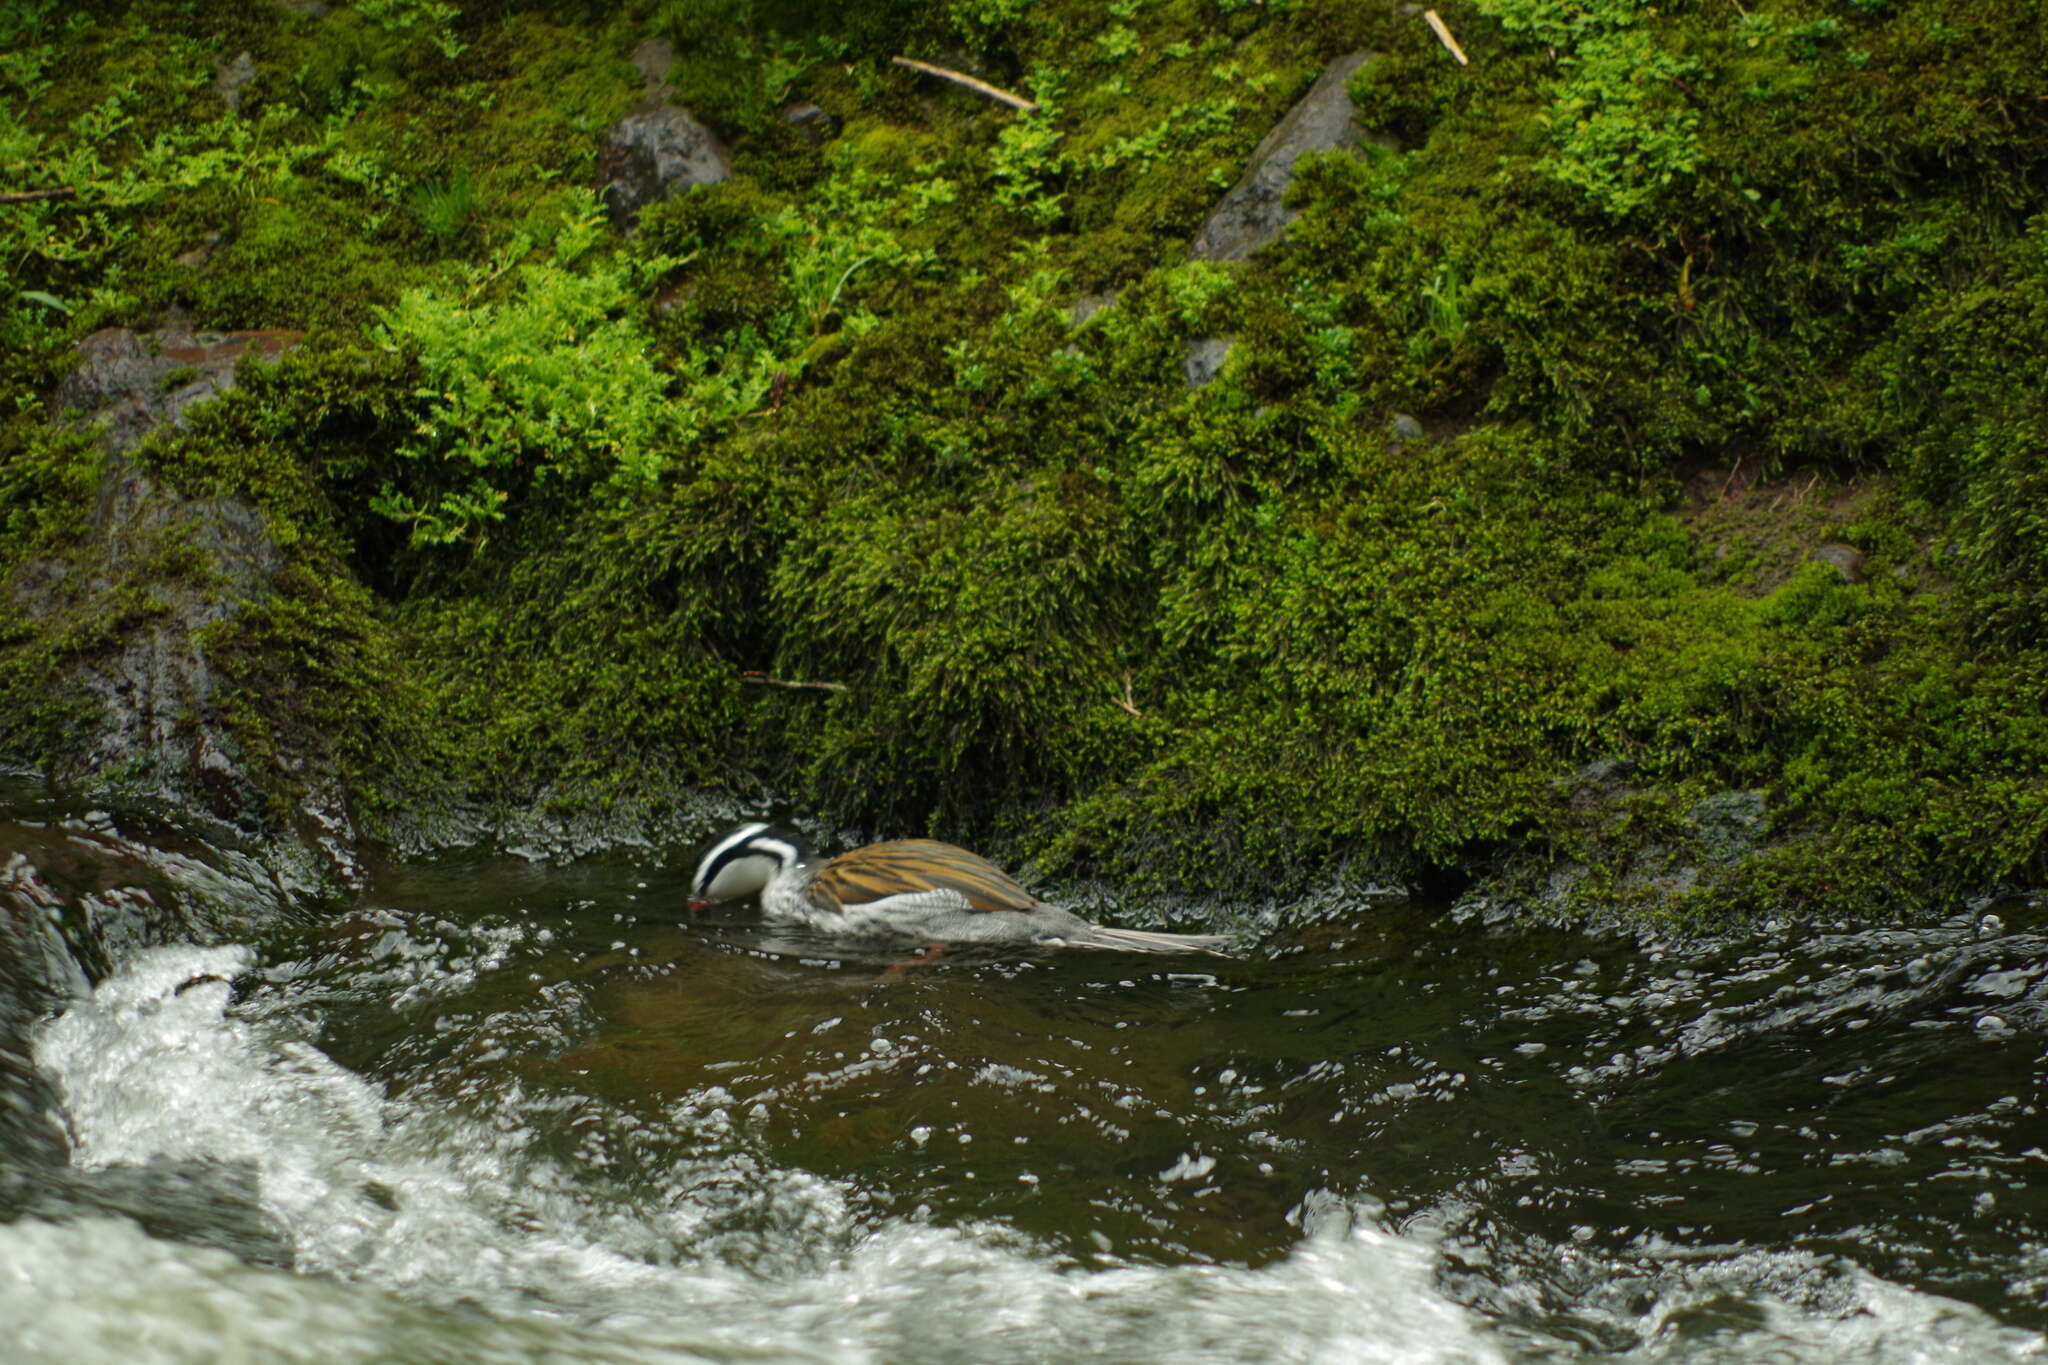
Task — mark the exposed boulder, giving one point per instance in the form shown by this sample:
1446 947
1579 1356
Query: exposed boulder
80 892
660 149
1205 360
1251 214
128 610
135 381
813 124
230 78
1845 560
1088 305
36 976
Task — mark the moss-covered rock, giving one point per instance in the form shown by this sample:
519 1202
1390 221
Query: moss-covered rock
1527 438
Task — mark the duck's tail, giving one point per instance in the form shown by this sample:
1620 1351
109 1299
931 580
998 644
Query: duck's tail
1143 941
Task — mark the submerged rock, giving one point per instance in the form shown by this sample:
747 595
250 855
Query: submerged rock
1252 215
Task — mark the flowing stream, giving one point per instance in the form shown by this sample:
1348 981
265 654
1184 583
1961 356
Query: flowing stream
506 1111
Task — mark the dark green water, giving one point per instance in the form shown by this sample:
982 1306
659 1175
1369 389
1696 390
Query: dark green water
502 1111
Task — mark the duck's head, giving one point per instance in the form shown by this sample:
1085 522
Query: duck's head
740 862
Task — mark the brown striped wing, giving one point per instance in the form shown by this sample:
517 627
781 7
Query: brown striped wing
900 865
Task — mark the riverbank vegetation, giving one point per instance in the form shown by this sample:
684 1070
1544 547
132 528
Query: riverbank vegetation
1628 482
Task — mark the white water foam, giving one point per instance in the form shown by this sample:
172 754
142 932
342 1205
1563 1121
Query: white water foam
420 1234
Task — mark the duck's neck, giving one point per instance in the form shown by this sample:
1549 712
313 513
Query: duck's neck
787 895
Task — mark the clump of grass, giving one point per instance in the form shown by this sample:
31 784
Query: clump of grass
446 209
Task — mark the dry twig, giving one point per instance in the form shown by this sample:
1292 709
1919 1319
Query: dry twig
31 196
978 86
1126 701
1443 35
757 679
1733 475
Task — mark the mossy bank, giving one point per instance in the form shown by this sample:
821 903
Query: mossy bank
1624 478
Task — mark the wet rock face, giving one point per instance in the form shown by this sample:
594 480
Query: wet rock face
1251 215
153 570
658 150
155 689
1707 843
153 681
135 381
36 975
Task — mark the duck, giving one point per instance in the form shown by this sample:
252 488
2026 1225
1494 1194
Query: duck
918 889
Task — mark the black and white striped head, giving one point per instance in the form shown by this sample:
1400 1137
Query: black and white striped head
742 861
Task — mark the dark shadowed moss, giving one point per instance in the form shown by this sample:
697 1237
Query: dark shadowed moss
1673 298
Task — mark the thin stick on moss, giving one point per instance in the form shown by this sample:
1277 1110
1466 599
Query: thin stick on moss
756 679
31 196
1443 35
1733 475
1126 701
978 86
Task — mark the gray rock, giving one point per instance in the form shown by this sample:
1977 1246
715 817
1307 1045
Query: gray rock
1088 305
655 152
1846 560
814 125
155 725
1597 785
154 686
37 976
201 254
652 59
1725 829
1403 430
229 78
135 382
1205 360
1251 215
151 572
1730 825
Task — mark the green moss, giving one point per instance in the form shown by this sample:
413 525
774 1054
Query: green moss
1677 297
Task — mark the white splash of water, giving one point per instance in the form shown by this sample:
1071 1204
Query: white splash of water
423 1233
